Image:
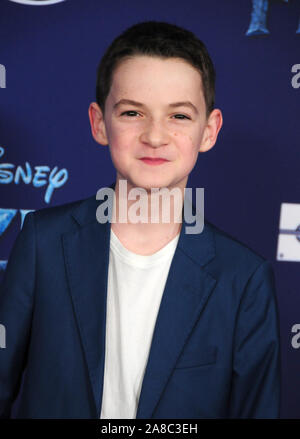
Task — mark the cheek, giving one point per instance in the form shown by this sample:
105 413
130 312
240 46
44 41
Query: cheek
188 151
121 137
120 146
186 144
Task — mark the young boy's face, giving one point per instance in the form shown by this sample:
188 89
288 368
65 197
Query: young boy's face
153 126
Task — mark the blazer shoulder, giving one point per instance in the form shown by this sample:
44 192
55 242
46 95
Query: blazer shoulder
233 255
59 218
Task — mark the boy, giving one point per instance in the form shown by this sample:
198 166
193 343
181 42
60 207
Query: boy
141 320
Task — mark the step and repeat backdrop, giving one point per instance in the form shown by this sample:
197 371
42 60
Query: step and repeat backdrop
49 53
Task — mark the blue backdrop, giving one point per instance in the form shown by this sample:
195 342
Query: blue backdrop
48 60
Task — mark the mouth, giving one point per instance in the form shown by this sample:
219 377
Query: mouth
151 161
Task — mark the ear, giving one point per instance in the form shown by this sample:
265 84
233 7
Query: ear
97 124
211 131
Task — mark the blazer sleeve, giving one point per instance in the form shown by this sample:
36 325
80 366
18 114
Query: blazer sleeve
256 380
16 304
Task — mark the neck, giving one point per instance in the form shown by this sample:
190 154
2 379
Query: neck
149 220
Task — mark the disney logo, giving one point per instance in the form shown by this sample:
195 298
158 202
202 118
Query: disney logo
38 176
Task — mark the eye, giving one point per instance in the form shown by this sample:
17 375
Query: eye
182 116
129 111
132 113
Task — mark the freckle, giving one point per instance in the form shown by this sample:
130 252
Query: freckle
175 134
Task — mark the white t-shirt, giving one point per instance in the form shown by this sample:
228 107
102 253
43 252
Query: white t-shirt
135 288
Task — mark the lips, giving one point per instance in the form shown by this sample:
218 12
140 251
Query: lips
153 161
153 158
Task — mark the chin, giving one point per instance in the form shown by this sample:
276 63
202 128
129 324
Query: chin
147 183
149 186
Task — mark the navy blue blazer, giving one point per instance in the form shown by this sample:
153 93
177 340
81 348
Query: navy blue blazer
215 351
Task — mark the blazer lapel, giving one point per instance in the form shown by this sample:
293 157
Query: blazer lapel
187 290
86 253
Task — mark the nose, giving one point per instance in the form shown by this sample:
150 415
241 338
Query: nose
155 134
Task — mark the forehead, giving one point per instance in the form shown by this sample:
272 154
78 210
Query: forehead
166 77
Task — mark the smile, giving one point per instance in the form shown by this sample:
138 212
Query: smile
153 162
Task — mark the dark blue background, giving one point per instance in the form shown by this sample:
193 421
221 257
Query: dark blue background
51 54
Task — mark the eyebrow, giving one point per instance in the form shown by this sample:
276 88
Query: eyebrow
139 104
